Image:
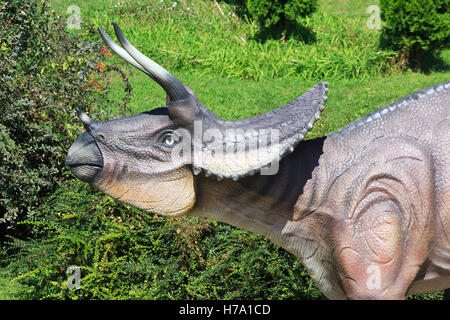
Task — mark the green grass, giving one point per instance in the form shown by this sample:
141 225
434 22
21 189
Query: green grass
347 101
355 9
197 37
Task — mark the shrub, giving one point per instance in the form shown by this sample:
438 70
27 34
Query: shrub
124 253
415 28
45 74
280 15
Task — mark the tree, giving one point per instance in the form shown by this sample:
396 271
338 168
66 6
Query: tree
280 16
415 28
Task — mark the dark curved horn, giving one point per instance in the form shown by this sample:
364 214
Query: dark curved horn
173 87
120 51
84 119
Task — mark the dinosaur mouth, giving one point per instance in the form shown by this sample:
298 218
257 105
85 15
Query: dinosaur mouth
84 158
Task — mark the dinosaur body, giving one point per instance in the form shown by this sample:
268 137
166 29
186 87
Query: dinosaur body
366 209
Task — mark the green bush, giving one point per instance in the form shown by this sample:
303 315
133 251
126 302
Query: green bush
282 15
45 74
415 28
124 253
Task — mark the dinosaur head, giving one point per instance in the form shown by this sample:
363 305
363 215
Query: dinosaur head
149 160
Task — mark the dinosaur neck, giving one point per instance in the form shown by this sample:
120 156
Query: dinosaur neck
264 204
286 208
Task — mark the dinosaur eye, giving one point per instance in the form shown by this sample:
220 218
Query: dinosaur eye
169 140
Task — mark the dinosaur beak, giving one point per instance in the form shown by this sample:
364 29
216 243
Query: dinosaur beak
84 158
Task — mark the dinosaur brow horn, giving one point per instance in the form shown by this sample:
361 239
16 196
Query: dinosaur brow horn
173 87
120 51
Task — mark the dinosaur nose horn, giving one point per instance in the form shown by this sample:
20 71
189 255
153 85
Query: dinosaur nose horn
84 118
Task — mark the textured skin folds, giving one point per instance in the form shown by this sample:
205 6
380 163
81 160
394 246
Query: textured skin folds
386 206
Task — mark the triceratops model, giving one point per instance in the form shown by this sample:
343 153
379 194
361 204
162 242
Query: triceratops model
366 209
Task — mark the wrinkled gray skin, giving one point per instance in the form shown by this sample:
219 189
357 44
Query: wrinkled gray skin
366 209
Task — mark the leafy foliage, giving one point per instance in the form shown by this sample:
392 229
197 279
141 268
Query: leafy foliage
279 18
46 74
280 12
125 253
415 28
